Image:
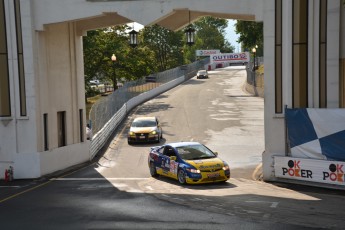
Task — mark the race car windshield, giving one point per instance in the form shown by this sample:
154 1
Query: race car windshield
194 152
144 123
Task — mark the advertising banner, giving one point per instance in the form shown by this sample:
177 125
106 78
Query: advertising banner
230 57
206 52
329 172
316 133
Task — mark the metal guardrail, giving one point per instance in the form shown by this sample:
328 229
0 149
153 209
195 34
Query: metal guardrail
103 110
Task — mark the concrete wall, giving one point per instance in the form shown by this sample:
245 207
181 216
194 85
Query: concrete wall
54 75
54 81
274 129
54 57
275 137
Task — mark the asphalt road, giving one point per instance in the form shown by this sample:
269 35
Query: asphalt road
117 192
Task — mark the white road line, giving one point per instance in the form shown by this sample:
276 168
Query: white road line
230 213
252 212
133 190
215 207
9 186
165 195
98 179
273 204
267 215
119 185
149 188
219 205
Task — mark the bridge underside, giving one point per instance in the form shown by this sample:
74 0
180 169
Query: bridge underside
43 69
176 20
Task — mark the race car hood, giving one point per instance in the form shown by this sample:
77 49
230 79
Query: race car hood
207 164
142 129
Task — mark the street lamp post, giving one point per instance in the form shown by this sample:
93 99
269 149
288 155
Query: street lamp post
190 33
190 36
254 52
113 59
133 38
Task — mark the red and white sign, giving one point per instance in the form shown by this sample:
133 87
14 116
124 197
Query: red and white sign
322 171
206 52
230 57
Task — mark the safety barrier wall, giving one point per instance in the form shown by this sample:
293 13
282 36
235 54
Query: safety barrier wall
130 100
101 137
152 93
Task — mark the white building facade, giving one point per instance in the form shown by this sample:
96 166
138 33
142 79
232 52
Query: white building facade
42 96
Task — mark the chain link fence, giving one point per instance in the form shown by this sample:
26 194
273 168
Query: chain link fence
103 110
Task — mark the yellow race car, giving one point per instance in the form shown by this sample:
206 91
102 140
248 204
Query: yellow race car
145 129
187 162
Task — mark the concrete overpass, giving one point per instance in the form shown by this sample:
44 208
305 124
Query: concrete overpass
42 110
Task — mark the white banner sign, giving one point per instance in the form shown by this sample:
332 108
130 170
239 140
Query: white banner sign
206 52
230 57
330 172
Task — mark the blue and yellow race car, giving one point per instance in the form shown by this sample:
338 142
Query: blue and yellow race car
187 162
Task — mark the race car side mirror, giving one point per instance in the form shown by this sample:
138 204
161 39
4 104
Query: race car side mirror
216 153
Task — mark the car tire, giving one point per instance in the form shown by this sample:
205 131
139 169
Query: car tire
153 171
181 176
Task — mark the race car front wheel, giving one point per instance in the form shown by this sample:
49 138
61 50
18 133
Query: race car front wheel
181 176
153 171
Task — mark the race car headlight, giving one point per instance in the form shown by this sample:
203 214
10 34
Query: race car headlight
193 170
131 133
154 132
226 167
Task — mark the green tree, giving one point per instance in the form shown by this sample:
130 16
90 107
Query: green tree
251 35
165 44
160 49
130 64
210 34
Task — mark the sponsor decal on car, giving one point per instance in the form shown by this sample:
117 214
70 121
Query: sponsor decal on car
173 167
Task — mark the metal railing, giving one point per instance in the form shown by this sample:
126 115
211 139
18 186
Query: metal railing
103 110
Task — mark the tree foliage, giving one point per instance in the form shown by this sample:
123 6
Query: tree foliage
160 49
251 35
210 34
99 45
165 45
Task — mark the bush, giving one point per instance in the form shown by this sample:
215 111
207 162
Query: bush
91 92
